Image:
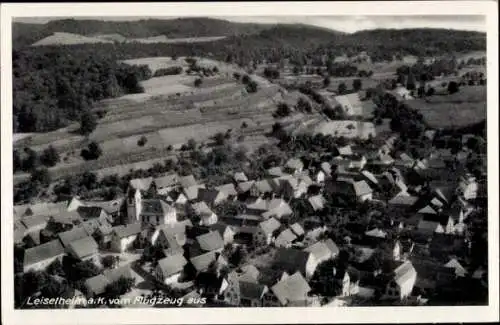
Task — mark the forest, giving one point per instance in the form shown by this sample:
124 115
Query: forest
48 96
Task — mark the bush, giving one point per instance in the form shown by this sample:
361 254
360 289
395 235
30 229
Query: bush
198 82
453 87
170 147
304 106
342 88
49 157
271 73
283 110
357 85
245 79
326 82
244 125
236 75
88 123
41 175
251 87
170 71
108 261
31 161
142 141
92 152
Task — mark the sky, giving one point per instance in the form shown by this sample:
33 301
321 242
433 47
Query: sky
347 24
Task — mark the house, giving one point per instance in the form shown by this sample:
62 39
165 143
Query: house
187 181
275 172
212 197
402 283
376 233
206 215
39 257
141 184
34 223
349 188
323 250
350 104
211 242
72 218
402 201
460 271
436 223
93 212
84 249
326 168
96 285
266 230
113 208
169 269
257 207
166 183
357 162
292 187
318 175
202 262
40 209
228 190
297 230
292 260
467 187
149 211
285 238
212 285
291 291
345 151
191 192
317 202
123 236
67 237
402 249
277 208
240 177
371 180
169 239
294 166
244 187
227 232
260 188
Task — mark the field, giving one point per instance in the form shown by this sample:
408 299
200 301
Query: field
171 112
59 38
464 108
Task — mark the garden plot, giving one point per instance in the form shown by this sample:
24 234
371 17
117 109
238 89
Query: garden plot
167 85
199 132
156 63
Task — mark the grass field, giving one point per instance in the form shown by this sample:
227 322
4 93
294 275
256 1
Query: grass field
464 108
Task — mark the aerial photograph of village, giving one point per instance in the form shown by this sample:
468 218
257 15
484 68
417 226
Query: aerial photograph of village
180 162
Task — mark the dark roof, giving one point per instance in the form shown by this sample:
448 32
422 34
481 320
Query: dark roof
291 260
127 230
251 290
155 207
43 252
89 212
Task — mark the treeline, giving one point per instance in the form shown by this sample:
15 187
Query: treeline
55 85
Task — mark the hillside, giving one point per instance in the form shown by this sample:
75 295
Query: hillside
26 34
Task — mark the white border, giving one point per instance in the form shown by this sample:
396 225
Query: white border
249 315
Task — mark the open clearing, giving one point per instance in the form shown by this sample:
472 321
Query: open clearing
464 108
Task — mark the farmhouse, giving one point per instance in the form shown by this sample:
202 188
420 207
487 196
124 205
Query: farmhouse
323 250
166 183
124 236
170 269
402 283
39 257
291 291
84 249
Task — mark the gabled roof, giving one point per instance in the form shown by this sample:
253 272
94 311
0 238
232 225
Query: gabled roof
369 176
326 167
154 207
427 210
248 273
291 259
111 206
277 208
317 202
45 209
220 227
297 229
244 187
263 186
191 192
123 231
323 250
202 262
252 290
43 252
142 184
240 177
406 200
269 226
34 221
97 284
67 217
286 237
210 241
259 204
379 233
201 209
167 180
187 181
71 235
453 263
362 188
210 195
89 212
293 288
84 247
227 189
404 273
345 150
405 157
171 265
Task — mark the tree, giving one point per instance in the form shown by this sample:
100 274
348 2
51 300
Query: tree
252 86
49 157
88 123
296 70
342 88
41 176
283 110
304 105
77 271
108 261
191 144
431 91
238 256
357 85
198 82
453 87
219 139
92 152
326 81
142 141
31 161
118 287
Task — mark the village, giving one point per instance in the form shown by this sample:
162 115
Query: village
248 242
